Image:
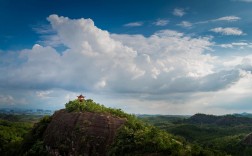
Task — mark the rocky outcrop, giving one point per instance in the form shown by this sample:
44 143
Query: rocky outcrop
81 133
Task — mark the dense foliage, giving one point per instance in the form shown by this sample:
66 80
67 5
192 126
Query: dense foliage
135 136
11 135
90 106
200 134
33 142
219 133
226 120
138 138
19 135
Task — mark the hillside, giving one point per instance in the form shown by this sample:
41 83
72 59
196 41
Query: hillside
88 128
76 133
11 135
228 134
226 120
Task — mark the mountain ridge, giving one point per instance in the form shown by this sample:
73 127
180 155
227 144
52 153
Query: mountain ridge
224 120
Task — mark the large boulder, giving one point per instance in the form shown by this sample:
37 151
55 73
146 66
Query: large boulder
81 133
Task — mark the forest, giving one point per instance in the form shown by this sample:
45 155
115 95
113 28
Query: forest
226 133
199 134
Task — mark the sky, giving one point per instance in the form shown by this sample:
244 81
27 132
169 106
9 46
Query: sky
144 57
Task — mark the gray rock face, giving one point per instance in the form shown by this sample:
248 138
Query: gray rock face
81 133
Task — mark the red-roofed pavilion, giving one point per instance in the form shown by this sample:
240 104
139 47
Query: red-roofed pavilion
81 98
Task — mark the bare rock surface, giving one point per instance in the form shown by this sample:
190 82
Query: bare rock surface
81 133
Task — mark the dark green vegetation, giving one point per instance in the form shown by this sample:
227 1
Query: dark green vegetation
11 135
90 106
200 134
138 138
221 133
13 129
32 144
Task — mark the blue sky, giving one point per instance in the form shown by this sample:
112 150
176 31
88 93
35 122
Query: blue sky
155 57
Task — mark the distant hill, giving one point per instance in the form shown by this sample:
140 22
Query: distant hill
226 120
244 114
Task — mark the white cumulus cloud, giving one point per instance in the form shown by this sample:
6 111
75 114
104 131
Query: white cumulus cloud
228 31
95 59
161 67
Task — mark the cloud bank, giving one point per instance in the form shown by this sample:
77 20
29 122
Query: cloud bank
168 67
